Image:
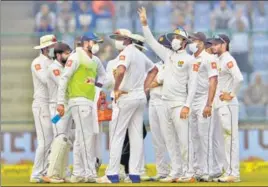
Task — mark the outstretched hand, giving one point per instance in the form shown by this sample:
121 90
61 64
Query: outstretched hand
143 16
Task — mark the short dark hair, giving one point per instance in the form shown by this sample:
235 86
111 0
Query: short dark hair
60 48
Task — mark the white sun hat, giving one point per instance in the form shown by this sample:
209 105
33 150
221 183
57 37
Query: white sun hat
46 41
138 38
120 34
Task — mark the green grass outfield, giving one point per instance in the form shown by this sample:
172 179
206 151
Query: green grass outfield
251 175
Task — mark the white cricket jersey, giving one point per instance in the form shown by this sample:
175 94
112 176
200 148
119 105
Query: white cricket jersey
110 81
39 69
207 68
71 66
54 72
156 93
229 80
137 66
180 70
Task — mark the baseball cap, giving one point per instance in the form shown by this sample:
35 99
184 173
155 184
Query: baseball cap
198 36
207 43
91 36
220 39
164 41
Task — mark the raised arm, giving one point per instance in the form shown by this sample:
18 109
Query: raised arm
159 49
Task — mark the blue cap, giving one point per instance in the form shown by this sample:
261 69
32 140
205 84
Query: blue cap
164 41
91 36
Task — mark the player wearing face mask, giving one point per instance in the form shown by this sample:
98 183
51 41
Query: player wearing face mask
200 119
179 72
40 107
79 81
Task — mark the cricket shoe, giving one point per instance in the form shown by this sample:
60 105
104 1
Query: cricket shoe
53 179
229 179
186 180
37 180
122 173
204 178
145 177
215 178
78 179
108 179
168 179
132 179
90 179
157 177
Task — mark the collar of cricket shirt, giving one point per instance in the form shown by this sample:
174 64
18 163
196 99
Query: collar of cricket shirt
58 63
202 54
223 55
44 57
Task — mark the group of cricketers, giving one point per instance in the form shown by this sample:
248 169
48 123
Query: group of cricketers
193 108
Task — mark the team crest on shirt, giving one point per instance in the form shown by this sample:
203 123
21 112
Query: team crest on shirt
56 72
213 65
69 63
180 63
37 67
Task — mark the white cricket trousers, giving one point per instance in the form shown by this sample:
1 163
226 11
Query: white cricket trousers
128 114
156 112
199 140
64 125
44 133
84 141
227 118
176 139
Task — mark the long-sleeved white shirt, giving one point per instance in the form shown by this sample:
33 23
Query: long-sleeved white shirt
109 80
180 70
208 68
156 93
71 67
39 68
137 66
229 80
54 73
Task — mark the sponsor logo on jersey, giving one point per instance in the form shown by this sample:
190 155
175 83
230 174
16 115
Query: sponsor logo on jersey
37 67
180 63
56 72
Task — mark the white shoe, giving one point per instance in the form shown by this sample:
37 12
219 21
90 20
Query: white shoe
90 179
157 177
229 179
215 178
168 179
186 179
122 174
103 180
127 180
204 178
77 179
145 177
37 179
52 179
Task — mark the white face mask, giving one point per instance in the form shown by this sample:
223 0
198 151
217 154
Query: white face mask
95 48
176 44
193 47
119 45
51 52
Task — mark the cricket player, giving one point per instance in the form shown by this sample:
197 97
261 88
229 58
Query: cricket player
226 106
60 148
156 112
130 98
79 79
200 119
217 159
40 107
180 70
